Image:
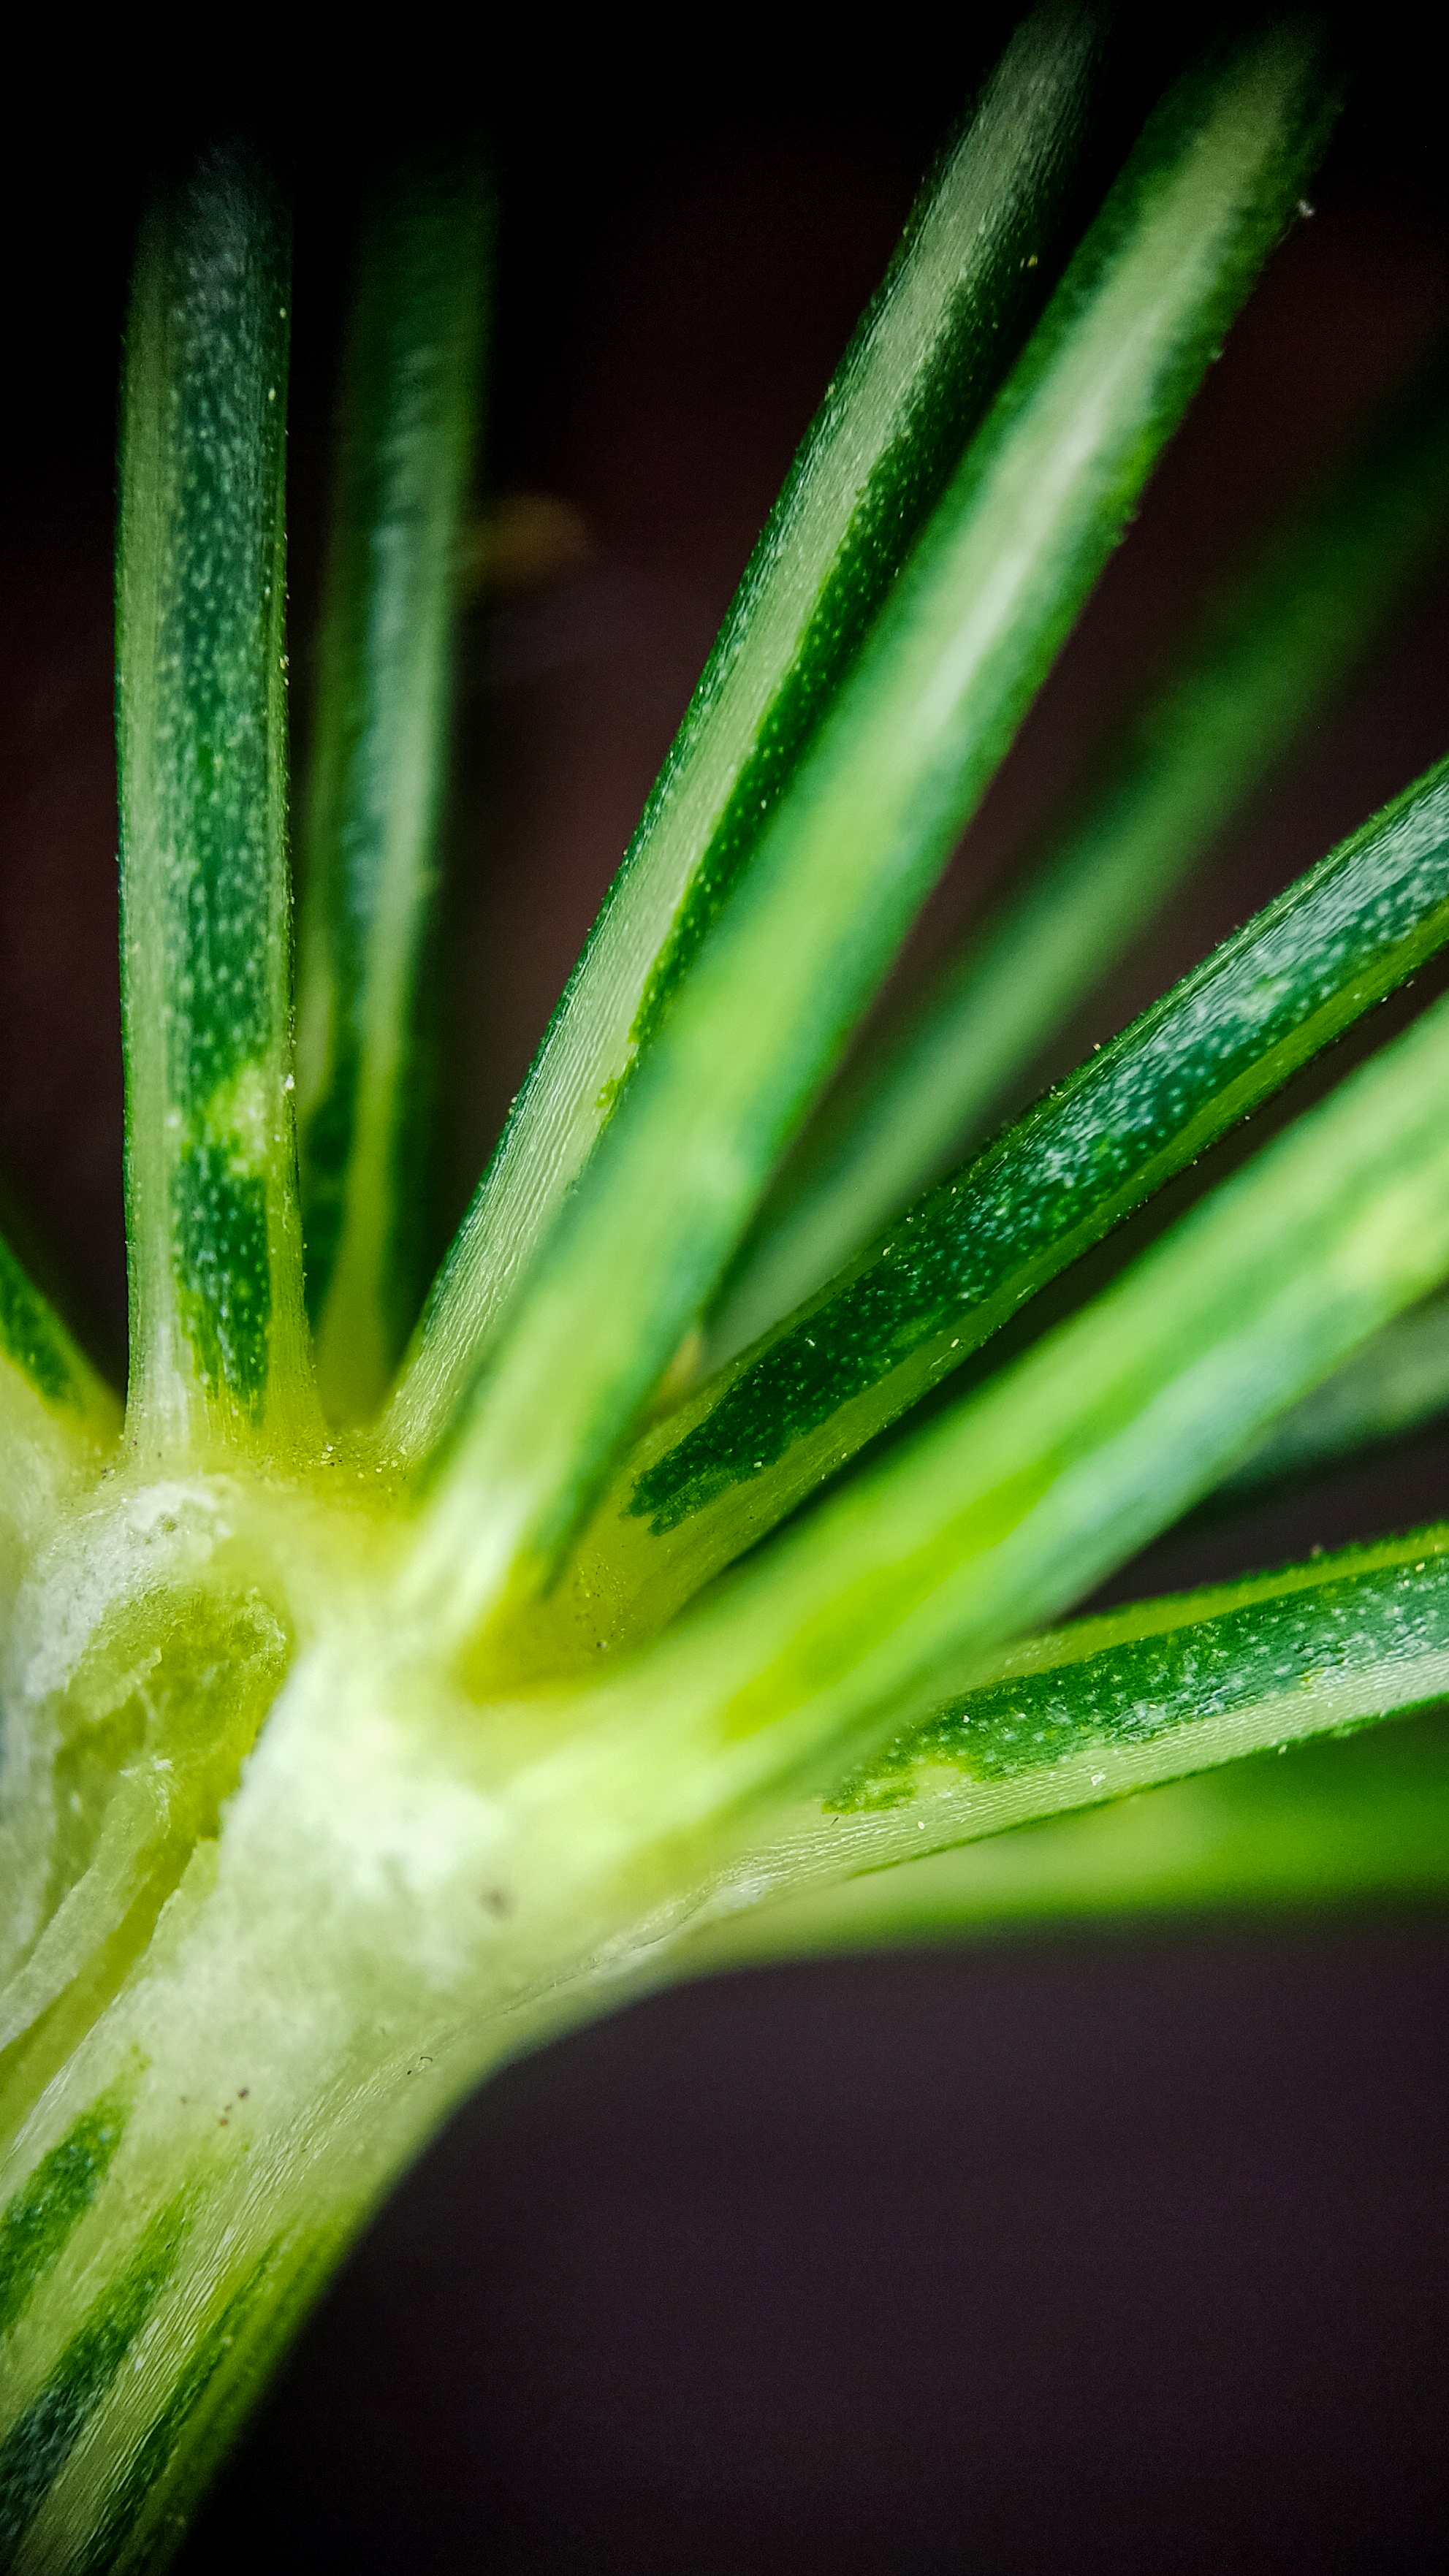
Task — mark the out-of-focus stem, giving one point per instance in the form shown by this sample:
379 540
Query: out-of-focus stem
365 1093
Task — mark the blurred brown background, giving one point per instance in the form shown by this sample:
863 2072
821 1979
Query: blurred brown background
1127 2251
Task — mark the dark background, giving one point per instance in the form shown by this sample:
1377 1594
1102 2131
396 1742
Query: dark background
1127 2251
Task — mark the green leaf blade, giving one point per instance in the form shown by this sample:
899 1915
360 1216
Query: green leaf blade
967 637
37 2221
1160 1691
888 1598
59 1426
49 1391
928 356
410 411
1342 1641
1270 650
1396 1385
739 1455
1359 1824
219 1354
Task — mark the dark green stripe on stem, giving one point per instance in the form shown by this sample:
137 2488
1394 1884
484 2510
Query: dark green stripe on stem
158 2447
40 2217
41 2440
215 1249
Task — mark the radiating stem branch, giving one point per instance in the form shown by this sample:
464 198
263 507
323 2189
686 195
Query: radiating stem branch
965 640
1364 1822
218 1340
886 1601
1130 1699
410 402
969 278
1273 647
743 1451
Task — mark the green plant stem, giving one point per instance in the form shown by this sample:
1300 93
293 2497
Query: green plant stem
409 416
735 1457
1363 1823
882 1601
207 2151
219 1354
1119 1702
1273 647
971 273
965 639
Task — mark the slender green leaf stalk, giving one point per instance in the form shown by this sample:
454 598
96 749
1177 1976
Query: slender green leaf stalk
884 1600
731 1461
219 1352
965 286
365 1094
1132 1697
1273 647
952 663
1339 1824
